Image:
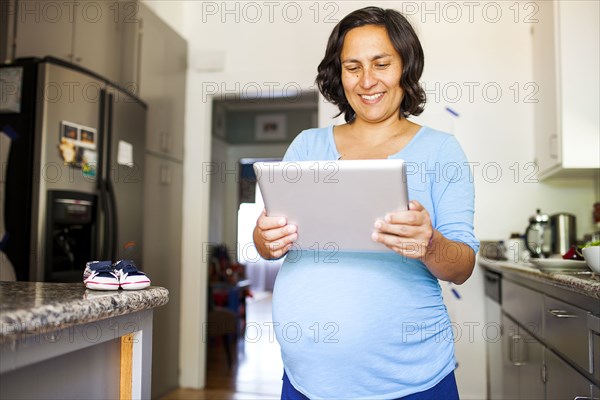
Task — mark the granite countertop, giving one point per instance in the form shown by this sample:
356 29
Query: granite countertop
32 307
587 284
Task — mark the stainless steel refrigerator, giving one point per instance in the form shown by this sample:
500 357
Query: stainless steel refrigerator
73 187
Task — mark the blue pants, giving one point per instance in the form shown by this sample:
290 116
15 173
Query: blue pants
446 389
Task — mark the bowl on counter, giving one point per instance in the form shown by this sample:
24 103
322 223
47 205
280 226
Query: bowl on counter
592 257
559 265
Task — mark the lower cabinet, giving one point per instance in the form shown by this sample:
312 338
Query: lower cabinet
549 346
594 324
162 263
563 381
523 362
532 371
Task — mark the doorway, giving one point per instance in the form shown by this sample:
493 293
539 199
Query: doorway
244 130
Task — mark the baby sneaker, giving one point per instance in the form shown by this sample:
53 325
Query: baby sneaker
130 278
100 275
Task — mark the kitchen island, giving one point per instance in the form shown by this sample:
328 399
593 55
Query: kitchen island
61 340
550 332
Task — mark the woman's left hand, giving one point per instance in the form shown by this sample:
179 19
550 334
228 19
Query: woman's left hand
407 232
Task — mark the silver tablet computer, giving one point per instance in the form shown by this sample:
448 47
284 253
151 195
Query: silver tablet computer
334 204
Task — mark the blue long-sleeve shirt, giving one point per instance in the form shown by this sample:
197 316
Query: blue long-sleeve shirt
374 325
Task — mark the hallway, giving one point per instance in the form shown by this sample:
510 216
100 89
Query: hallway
255 374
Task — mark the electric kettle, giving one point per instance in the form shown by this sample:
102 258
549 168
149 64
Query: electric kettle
538 235
564 231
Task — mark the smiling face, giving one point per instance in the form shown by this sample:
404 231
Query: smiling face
371 70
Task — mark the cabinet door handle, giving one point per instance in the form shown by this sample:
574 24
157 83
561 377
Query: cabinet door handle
553 146
165 142
165 175
543 373
515 349
138 51
562 314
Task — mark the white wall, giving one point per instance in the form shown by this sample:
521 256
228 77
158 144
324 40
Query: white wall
218 191
464 49
171 11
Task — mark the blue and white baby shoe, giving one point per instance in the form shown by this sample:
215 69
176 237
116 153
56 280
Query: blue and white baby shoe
100 275
130 278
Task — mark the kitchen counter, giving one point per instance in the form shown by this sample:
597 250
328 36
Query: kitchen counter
39 307
586 284
102 340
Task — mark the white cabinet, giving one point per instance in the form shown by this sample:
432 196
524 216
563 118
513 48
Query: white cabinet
566 48
84 32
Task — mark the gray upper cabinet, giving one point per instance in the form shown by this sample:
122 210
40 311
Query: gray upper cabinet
566 47
161 82
35 22
84 32
98 23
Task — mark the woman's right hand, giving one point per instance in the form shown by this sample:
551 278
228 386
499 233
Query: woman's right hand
273 237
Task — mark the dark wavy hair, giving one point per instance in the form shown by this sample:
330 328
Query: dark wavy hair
404 40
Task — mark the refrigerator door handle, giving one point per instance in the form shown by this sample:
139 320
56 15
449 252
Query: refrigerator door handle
108 238
108 209
105 231
104 212
111 242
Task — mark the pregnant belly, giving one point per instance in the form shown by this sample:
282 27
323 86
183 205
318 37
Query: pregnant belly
357 298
